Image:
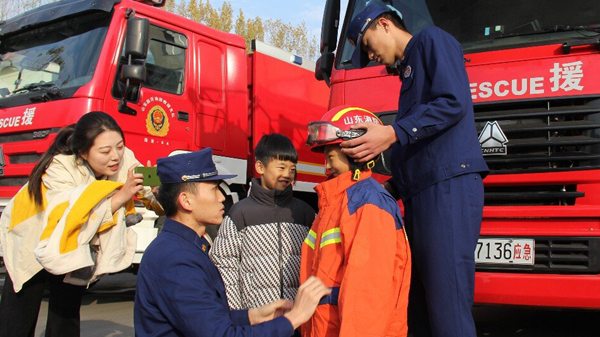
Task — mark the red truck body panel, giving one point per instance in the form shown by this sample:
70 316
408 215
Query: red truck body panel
284 100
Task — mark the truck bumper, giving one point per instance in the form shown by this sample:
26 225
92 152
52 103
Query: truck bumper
563 291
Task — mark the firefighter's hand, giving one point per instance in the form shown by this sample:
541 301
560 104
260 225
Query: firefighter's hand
132 185
307 299
269 311
377 139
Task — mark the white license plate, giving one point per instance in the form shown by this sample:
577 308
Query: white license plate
505 251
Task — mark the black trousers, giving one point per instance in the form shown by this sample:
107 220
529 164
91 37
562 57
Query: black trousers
19 311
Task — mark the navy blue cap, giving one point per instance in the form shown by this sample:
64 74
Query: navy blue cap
189 167
359 25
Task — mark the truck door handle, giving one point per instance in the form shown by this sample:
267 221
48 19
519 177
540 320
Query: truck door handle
566 47
183 116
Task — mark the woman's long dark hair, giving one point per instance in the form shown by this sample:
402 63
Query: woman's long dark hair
74 139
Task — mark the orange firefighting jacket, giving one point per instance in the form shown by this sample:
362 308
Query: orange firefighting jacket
357 246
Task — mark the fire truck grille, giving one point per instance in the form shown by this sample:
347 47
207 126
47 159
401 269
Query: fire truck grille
558 255
31 156
24 158
11 181
540 136
542 195
25 136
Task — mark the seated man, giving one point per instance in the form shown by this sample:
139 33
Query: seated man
179 290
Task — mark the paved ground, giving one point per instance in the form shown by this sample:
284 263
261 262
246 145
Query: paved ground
107 311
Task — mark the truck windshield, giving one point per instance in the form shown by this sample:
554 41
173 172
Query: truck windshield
491 24
60 55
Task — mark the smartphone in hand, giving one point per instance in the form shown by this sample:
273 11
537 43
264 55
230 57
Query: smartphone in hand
150 176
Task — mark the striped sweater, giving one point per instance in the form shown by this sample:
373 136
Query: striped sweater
258 248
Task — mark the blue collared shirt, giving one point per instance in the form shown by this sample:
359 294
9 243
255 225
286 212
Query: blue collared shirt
180 292
435 123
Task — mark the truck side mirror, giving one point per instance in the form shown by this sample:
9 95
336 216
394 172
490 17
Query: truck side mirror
329 30
329 27
134 73
136 51
324 66
136 43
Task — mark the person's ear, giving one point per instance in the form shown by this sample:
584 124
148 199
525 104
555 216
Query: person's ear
84 156
185 201
259 167
384 23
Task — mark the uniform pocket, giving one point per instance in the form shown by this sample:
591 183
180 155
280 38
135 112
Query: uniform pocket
372 320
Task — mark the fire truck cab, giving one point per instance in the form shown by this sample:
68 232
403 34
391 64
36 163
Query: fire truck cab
171 84
532 67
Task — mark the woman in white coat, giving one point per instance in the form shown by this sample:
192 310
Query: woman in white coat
91 150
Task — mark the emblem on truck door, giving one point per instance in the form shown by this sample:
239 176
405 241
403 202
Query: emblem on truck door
2 162
157 121
492 140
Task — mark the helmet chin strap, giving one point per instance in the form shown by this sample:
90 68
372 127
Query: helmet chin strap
356 175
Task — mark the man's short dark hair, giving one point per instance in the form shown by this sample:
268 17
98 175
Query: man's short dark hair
391 17
168 194
275 146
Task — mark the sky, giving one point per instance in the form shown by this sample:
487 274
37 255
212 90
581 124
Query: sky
309 11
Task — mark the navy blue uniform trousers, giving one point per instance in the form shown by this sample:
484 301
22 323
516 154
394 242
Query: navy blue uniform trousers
443 223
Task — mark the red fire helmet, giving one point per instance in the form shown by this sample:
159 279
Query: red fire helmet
335 126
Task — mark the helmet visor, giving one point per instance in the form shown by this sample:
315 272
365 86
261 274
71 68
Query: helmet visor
323 132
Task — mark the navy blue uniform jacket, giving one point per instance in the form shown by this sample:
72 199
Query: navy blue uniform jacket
180 292
435 124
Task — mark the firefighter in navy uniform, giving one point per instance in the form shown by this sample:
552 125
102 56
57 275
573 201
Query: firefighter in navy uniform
437 165
179 290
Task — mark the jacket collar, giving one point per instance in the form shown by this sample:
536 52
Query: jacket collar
331 189
187 234
270 197
407 51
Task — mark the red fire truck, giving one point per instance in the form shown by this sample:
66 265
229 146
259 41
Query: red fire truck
171 84
532 67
